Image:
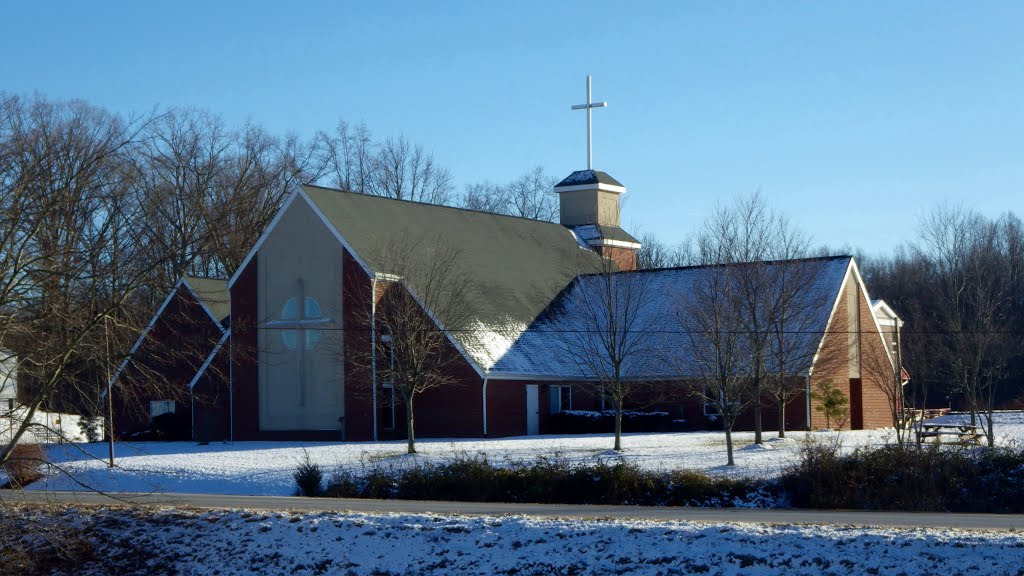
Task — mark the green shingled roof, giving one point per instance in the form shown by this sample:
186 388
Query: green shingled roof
517 265
213 293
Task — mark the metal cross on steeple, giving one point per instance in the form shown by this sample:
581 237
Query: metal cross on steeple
589 106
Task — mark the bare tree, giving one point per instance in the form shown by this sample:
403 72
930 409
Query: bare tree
348 156
654 253
70 266
886 371
793 325
485 197
406 171
416 313
531 195
714 367
610 331
751 233
963 253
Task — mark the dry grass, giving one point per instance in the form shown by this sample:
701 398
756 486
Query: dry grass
24 466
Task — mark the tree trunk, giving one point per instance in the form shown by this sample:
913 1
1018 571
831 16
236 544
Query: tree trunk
618 425
728 444
782 416
757 403
409 423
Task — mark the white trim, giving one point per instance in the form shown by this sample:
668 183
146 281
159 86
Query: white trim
878 329
263 238
831 315
598 186
373 353
203 304
300 192
891 319
615 243
853 271
485 405
334 231
145 331
209 359
385 277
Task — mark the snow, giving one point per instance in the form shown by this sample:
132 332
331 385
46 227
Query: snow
238 542
664 314
65 425
1009 424
487 343
266 468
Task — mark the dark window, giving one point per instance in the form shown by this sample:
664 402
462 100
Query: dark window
389 407
561 398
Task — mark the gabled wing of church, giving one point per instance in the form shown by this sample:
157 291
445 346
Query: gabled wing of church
670 300
516 266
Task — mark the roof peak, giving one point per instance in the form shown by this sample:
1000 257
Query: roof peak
584 177
727 265
421 203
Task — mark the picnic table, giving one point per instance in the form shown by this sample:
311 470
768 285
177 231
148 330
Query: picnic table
961 433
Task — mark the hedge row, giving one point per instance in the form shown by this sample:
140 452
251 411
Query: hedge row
474 479
587 422
932 478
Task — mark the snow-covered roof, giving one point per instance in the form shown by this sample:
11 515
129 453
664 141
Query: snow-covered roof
551 346
584 177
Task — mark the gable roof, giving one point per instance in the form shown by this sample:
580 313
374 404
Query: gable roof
517 265
213 294
542 351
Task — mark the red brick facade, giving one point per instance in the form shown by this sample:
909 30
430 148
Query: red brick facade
459 410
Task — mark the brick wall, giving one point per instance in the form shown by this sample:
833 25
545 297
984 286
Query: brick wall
869 404
624 258
164 364
243 351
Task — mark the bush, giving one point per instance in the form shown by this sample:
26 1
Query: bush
928 478
308 477
24 466
588 422
549 480
88 424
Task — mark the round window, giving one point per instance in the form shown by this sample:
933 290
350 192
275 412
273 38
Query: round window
310 311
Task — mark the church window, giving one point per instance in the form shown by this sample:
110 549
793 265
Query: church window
310 312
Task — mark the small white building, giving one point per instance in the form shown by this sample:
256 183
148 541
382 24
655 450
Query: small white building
8 380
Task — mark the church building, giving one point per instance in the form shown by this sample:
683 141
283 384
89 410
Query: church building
304 319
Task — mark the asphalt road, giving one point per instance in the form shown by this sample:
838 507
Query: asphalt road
282 503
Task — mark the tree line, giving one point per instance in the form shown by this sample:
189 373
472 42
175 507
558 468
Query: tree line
101 213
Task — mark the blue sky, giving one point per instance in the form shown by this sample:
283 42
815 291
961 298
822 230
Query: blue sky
854 118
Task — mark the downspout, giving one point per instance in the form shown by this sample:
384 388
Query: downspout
373 352
231 388
192 401
485 406
807 395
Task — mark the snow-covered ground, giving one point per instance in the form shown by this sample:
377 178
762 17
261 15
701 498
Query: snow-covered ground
229 543
266 468
46 426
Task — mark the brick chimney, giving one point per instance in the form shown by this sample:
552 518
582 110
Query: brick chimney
589 206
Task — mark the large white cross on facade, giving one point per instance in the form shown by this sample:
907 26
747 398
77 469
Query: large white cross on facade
299 325
589 107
